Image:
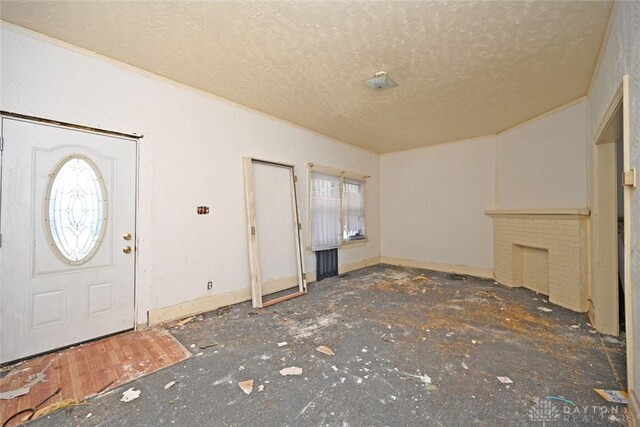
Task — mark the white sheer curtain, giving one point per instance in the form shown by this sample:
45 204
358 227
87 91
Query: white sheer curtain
353 209
325 211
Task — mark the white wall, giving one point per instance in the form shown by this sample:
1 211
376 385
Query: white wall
622 56
433 202
191 155
434 199
543 163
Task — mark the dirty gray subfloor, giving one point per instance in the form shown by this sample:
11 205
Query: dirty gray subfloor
408 351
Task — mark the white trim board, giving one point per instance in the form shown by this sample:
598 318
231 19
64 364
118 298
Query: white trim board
602 246
212 302
209 303
536 212
357 265
634 409
485 273
252 233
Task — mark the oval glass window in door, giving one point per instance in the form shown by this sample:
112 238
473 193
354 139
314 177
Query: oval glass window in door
75 209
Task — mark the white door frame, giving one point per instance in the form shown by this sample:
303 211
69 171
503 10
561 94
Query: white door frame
604 168
134 138
254 253
603 308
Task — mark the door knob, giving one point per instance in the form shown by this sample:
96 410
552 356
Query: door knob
126 249
127 236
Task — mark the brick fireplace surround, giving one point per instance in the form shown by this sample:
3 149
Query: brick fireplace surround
546 251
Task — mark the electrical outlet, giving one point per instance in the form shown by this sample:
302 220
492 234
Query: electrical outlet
209 285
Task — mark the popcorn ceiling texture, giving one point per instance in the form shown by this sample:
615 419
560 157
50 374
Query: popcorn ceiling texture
464 69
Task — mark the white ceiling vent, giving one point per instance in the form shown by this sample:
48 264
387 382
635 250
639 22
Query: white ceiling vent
380 81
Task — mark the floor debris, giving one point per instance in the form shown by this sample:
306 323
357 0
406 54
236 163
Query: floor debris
326 350
282 344
223 310
545 309
185 321
55 406
423 378
291 370
505 380
170 384
33 380
375 303
14 393
561 399
203 345
130 394
138 353
28 413
614 396
421 277
246 386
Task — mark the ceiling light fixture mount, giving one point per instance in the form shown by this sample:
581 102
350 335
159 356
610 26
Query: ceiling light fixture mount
380 81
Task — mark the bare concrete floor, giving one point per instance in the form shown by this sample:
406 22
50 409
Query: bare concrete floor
412 347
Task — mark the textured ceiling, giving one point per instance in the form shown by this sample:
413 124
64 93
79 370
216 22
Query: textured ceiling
465 69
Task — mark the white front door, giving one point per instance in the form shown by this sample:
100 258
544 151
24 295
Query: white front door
67 222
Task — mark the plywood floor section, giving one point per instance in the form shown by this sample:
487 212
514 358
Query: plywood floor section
90 368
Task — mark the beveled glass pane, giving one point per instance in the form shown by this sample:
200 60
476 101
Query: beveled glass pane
76 209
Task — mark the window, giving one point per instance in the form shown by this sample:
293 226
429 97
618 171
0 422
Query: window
353 209
336 207
326 229
75 209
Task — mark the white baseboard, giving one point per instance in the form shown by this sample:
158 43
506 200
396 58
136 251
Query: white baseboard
446 268
357 265
202 305
208 303
634 409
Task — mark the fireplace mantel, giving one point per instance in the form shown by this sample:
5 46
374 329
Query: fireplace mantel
538 212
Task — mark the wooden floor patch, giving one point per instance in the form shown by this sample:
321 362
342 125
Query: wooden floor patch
82 371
